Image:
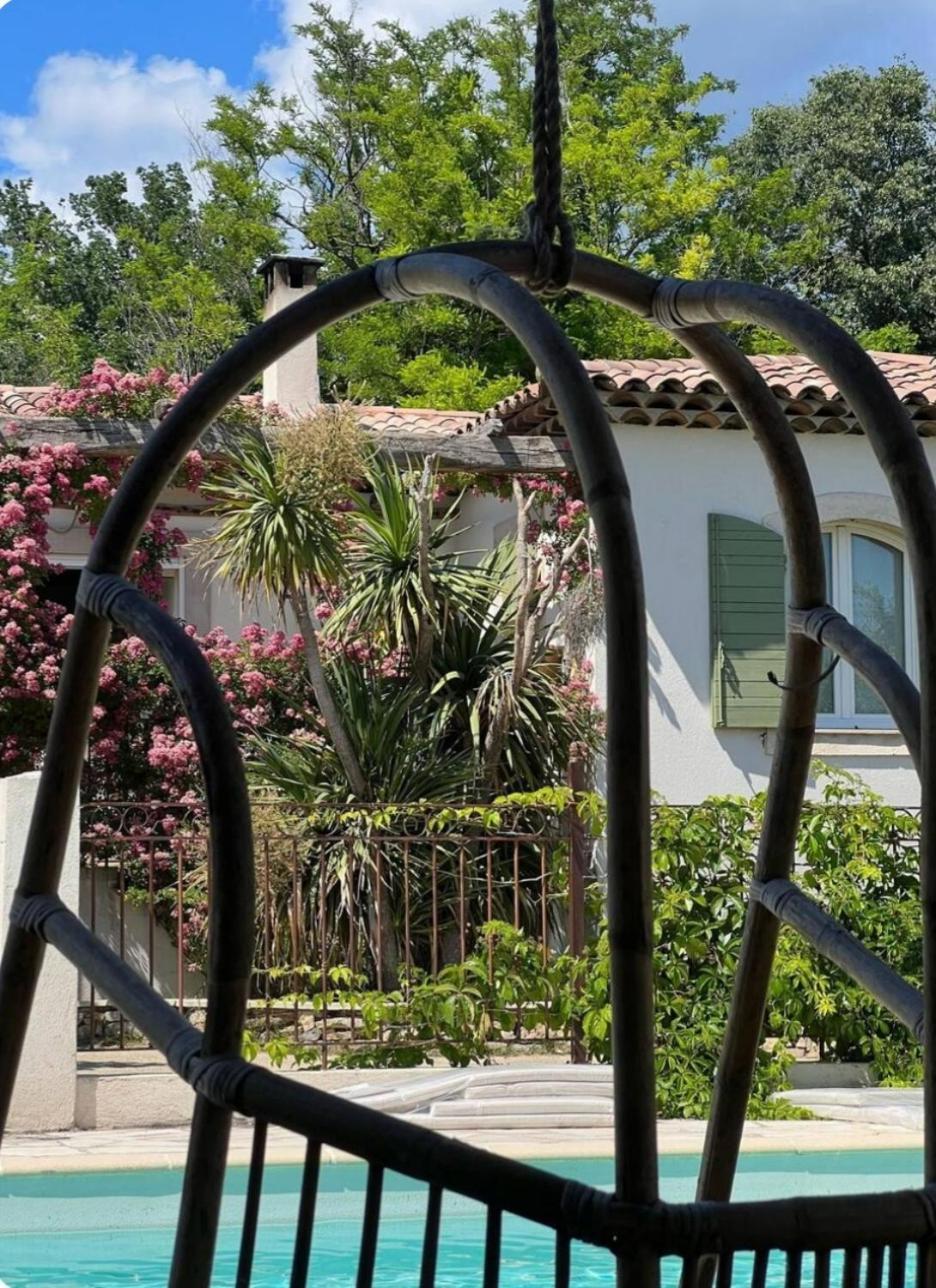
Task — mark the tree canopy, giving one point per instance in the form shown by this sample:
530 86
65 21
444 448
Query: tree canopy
160 279
395 140
408 140
836 197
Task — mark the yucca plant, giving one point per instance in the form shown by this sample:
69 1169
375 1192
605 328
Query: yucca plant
403 576
279 502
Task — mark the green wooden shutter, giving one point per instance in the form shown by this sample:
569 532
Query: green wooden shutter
747 594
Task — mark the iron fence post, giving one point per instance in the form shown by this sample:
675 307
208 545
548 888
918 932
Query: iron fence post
578 862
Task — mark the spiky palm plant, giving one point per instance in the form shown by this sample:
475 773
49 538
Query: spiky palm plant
404 577
279 533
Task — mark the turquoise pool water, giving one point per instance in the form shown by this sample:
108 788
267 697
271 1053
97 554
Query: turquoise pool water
113 1228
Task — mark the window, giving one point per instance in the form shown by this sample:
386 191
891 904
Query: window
62 587
869 583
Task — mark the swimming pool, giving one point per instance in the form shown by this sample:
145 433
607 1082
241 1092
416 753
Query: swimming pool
111 1228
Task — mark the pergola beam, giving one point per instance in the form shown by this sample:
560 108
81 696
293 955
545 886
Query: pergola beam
473 452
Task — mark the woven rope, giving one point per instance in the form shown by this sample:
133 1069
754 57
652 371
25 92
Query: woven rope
545 218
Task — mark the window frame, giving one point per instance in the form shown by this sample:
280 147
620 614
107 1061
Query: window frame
841 597
172 569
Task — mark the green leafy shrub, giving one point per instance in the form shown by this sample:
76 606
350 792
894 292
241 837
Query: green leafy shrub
856 856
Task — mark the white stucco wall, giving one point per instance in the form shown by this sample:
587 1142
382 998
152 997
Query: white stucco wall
678 477
44 1099
208 601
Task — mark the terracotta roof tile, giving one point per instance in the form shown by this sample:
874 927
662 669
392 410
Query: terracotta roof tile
22 400
646 391
415 420
690 394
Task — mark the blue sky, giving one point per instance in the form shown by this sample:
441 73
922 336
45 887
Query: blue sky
91 85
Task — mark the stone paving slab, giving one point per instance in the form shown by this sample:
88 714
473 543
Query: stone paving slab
882 1106
125 1149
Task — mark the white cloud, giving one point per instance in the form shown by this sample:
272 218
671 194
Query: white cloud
286 65
90 114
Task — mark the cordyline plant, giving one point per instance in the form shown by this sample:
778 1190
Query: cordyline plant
434 671
411 642
278 499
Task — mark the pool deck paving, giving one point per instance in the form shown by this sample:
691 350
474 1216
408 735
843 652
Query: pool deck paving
875 1118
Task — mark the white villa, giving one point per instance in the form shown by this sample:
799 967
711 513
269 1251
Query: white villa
709 532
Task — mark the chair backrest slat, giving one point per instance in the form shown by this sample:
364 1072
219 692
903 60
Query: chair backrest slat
252 1205
368 1257
306 1218
492 1248
430 1253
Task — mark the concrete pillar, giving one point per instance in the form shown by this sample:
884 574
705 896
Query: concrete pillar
45 1091
292 382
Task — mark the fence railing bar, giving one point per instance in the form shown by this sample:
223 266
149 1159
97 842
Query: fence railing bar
323 959
151 913
434 944
92 993
407 921
122 903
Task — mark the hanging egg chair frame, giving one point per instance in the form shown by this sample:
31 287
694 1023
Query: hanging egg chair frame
844 1239
633 1224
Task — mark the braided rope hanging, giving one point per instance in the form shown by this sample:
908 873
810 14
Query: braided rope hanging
544 216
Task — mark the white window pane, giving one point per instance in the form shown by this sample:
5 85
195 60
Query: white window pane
170 592
827 688
877 608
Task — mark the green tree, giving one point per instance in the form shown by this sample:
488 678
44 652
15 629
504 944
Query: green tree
834 197
406 140
160 279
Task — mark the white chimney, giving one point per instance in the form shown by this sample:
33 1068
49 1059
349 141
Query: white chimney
292 382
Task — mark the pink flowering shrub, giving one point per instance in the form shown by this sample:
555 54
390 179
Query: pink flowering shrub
142 747
105 393
33 629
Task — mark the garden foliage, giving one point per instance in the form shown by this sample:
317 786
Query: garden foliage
857 857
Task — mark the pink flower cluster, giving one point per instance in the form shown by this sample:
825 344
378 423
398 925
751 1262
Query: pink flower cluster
578 695
142 745
106 392
33 629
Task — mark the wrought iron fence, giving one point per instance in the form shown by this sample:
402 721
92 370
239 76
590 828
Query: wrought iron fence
350 903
